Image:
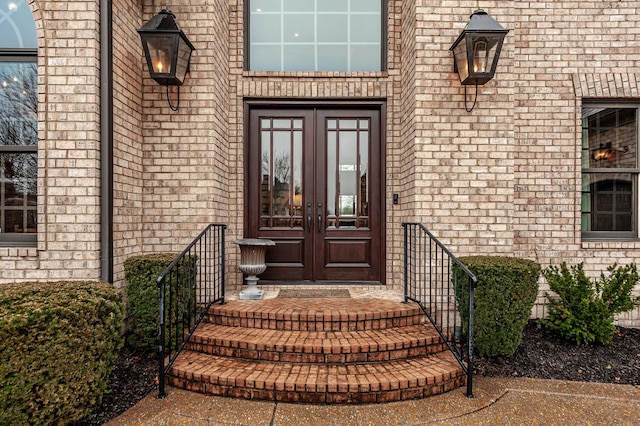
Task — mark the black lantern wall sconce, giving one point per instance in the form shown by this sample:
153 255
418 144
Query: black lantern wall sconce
476 51
167 50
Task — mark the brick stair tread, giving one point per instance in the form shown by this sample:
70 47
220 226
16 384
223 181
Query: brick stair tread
317 378
316 314
254 342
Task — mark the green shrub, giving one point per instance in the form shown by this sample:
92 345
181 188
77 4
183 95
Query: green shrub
58 344
141 273
583 310
506 291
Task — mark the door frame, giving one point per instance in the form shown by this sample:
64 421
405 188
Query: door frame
379 105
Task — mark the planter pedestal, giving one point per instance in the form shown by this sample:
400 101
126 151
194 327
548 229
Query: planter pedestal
252 263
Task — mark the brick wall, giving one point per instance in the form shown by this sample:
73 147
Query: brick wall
564 52
186 152
68 164
127 135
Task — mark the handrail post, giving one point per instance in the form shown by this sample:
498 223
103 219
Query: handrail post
470 341
406 262
161 390
222 268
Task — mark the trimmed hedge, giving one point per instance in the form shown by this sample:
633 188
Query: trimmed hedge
506 291
58 344
140 274
143 297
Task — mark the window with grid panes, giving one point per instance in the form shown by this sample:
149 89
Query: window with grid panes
610 170
18 125
315 35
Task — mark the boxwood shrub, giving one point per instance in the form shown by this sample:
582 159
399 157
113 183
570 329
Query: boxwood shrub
141 274
582 310
58 344
507 289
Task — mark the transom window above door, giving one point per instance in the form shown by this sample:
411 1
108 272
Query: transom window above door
315 35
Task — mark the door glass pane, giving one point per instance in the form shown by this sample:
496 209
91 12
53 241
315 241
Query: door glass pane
282 171
364 177
265 182
347 173
331 176
281 168
297 178
348 168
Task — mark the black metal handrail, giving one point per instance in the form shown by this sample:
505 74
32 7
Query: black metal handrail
188 287
432 276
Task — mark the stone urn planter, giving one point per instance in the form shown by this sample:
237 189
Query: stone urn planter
252 263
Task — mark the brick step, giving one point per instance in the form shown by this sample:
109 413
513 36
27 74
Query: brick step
317 347
318 314
317 383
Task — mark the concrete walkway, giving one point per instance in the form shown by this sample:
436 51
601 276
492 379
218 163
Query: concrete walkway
496 401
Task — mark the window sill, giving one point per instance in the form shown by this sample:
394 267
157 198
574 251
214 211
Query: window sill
23 240
610 243
317 74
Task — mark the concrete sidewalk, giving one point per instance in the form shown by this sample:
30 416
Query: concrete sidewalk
497 401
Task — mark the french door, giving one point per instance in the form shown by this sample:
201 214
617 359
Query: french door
314 179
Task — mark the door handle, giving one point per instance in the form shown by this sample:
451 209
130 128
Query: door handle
309 220
319 217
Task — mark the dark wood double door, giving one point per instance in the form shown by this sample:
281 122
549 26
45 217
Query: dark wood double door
314 179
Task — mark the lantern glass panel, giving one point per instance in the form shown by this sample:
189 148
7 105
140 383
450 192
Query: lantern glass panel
485 49
460 56
160 52
480 56
182 64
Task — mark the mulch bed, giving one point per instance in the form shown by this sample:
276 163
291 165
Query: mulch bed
544 355
133 377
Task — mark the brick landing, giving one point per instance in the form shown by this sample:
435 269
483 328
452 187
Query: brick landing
326 350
